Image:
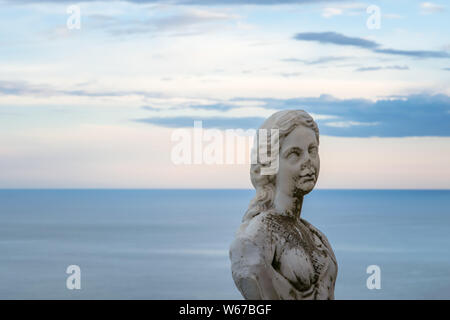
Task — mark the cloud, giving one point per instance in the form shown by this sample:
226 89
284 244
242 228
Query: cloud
347 124
415 53
429 7
195 2
348 9
363 69
220 123
22 88
192 21
320 60
290 74
391 16
414 115
336 38
216 107
216 111
330 12
343 40
253 2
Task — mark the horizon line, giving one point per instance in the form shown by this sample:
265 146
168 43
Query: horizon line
212 189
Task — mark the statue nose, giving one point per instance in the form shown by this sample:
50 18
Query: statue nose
306 163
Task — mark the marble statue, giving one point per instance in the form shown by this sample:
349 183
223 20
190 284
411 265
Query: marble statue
276 254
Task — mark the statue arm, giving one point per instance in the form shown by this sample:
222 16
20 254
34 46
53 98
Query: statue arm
250 271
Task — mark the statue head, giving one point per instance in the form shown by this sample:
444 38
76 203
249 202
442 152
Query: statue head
299 162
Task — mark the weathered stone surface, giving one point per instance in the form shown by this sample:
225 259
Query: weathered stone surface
276 254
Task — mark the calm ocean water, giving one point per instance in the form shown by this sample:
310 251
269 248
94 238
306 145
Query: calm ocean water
173 244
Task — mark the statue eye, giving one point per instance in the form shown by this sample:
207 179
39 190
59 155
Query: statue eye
312 149
293 153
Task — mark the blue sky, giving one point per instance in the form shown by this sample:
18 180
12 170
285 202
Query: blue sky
96 106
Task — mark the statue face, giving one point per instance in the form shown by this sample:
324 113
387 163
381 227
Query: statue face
299 162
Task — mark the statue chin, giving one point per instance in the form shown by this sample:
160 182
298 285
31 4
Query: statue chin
303 188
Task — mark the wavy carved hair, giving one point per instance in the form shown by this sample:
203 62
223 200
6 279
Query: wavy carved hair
285 121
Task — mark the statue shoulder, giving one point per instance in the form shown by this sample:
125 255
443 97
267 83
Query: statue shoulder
257 226
314 230
254 234
320 235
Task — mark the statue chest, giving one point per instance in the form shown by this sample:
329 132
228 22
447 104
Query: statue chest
300 254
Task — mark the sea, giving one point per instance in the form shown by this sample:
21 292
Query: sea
173 244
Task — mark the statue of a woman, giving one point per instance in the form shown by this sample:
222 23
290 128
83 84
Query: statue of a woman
276 254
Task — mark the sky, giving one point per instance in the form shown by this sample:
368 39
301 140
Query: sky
97 106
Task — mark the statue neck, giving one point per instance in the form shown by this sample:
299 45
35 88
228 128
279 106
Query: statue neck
287 205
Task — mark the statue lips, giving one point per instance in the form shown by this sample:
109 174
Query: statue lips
305 180
307 176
